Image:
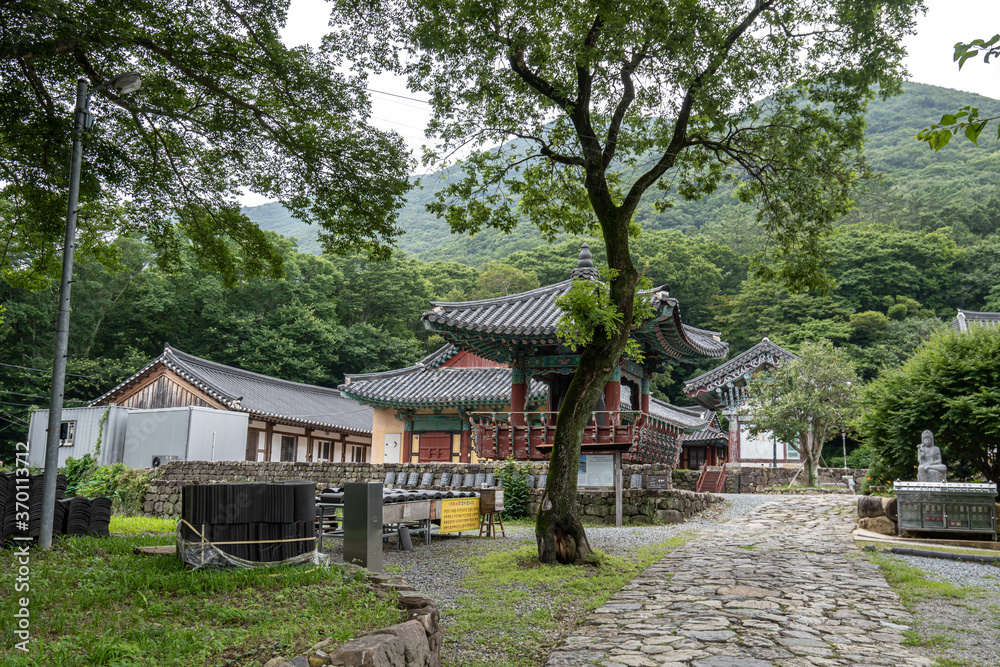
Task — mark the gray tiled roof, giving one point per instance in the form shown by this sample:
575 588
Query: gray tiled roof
967 317
261 395
438 387
764 348
684 418
707 435
534 315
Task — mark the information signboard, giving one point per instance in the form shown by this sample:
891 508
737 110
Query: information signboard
459 514
658 482
596 470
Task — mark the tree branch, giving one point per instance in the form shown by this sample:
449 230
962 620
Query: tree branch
679 139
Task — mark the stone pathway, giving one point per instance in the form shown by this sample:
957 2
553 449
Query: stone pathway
782 585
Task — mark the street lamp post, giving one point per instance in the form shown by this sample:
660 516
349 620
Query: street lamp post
83 120
843 441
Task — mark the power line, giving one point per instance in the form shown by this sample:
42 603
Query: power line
404 97
42 370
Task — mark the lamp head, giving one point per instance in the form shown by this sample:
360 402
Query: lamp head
129 82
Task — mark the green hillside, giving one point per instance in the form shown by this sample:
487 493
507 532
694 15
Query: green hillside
920 189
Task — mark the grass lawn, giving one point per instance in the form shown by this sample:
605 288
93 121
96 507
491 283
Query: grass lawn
520 608
93 602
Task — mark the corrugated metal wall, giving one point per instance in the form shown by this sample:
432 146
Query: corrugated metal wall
87 429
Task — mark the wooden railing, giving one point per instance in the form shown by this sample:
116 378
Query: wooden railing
529 435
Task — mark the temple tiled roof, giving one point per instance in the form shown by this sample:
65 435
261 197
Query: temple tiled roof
427 384
533 316
964 318
692 418
429 387
763 353
259 395
708 435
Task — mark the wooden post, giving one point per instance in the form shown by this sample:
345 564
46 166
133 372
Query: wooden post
309 445
268 436
618 489
518 394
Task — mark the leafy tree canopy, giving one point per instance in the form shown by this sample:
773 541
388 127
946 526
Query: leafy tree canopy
806 401
606 99
950 386
225 107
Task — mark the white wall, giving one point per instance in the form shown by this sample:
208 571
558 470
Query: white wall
88 429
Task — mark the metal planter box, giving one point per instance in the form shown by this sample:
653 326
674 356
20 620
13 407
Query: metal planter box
951 507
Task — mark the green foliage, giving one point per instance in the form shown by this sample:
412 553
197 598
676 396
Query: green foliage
805 400
515 490
500 279
78 472
168 161
125 486
587 310
950 386
967 119
861 458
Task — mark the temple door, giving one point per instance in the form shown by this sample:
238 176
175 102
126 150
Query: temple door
435 447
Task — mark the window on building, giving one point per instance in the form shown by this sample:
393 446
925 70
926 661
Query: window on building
67 431
287 448
357 453
322 450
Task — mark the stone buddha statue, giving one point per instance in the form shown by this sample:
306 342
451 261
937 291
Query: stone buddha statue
929 465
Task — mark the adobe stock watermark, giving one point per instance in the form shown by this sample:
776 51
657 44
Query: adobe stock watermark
22 565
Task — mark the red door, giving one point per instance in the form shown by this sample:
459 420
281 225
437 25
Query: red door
435 447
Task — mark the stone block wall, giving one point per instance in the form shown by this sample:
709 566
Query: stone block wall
753 479
640 506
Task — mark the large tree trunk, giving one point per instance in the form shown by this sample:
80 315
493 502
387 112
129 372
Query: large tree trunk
561 537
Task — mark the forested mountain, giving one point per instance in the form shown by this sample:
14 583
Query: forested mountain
923 241
919 188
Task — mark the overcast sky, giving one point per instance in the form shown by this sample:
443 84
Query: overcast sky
929 59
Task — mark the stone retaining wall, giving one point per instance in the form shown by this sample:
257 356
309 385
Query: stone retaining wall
337 474
639 506
755 479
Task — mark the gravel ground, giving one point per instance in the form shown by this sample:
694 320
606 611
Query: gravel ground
977 575
970 627
437 570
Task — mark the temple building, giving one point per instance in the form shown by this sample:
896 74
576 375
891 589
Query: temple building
286 421
725 389
494 390
966 318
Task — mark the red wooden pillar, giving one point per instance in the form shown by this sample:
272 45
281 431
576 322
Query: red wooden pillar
613 392
518 394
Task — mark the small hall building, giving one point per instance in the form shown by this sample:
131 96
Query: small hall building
724 389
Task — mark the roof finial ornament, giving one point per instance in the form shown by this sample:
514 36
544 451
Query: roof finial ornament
585 267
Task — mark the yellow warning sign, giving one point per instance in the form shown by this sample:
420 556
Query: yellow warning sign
458 514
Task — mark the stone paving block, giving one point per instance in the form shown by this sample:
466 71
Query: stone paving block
796 598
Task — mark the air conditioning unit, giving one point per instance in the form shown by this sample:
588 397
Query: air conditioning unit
161 459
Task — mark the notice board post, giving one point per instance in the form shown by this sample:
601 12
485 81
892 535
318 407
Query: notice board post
363 524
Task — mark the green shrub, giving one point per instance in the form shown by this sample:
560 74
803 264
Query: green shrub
77 472
515 490
125 486
862 457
